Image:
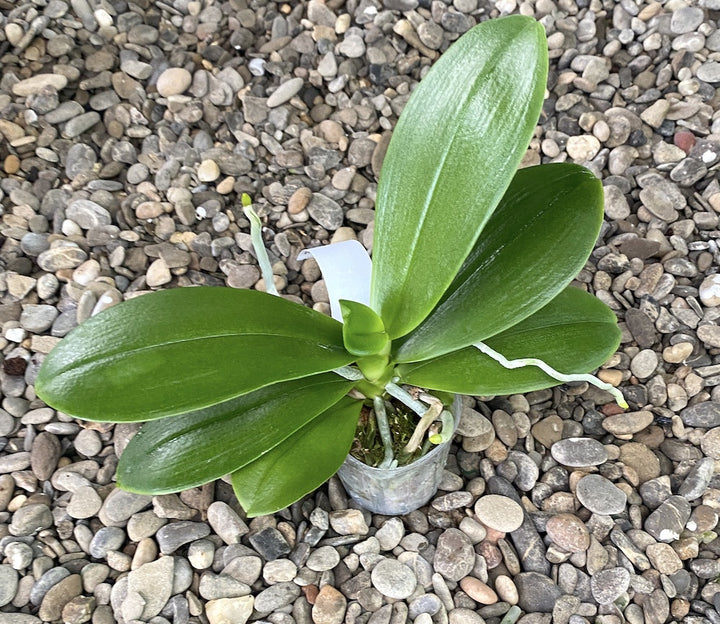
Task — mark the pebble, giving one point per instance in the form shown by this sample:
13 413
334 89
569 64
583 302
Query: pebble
223 610
393 579
499 513
627 423
174 535
608 585
325 211
153 582
454 555
579 452
226 523
582 148
105 540
663 558
329 607
270 543
30 518
285 92
698 479
667 522
276 597
390 534
704 415
58 596
348 522
8 584
600 495
709 290
478 591
85 503
281 570
208 171
38 82
536 592
641 459
323 559
568 532
644 364
44 455
173 81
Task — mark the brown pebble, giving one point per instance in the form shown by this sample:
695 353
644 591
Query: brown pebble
610 409
58 596
44 455
329 607
478 591
11 164
703 518
679 608
490 552
311 592
684 140
568 532
299 200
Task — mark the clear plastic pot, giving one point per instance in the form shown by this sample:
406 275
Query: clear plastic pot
397 491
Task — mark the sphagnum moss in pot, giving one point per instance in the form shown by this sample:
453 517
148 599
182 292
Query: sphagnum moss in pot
467 293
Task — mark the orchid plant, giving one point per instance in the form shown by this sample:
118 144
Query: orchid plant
467 292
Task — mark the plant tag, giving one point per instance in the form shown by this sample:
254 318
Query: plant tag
346 269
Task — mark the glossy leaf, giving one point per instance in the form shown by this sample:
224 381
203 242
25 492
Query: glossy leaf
363 330
574 333
453 153
536 242
184 349
177 453
300 464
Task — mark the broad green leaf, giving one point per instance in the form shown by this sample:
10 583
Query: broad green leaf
363 330
300 464
535 243
574 333
174 454
177 350
453 153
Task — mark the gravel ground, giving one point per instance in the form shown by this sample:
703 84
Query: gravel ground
128 130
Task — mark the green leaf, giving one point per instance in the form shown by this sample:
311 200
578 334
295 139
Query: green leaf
453 153
574 333
177 453
177 350
363 330
300 464
532 247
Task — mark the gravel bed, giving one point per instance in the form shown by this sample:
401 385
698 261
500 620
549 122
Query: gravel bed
128 131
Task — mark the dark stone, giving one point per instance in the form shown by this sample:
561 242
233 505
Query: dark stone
704 415
641 328
537 593
270 543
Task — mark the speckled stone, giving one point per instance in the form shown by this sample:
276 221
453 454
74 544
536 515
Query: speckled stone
568 532
393 579
608 585
454 555
579 452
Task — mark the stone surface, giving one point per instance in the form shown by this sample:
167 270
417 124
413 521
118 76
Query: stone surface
393 579
499 513
454 555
